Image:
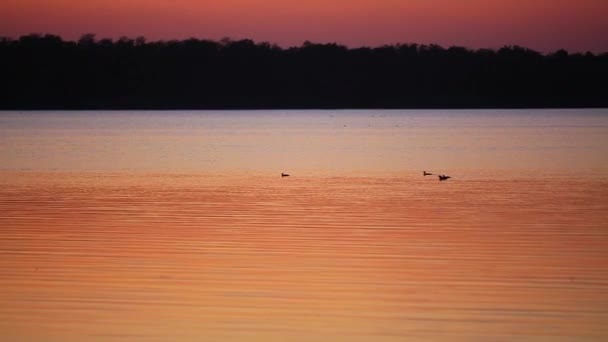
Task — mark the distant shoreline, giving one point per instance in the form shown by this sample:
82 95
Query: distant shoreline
46 72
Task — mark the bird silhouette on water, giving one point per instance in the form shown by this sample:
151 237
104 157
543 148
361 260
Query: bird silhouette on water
441 177
284 174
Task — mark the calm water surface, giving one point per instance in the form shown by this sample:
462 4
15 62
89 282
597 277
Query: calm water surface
176 226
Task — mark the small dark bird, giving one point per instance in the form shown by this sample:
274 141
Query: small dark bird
443 177
284 175
424 173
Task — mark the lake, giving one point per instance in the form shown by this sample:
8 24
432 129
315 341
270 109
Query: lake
177 225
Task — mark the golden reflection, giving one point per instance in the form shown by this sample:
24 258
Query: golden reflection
184 256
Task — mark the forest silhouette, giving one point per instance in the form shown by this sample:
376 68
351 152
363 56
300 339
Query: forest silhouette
47 72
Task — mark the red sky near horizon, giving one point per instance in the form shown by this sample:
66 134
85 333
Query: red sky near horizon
543 25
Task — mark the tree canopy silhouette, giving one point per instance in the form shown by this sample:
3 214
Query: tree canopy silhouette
47 72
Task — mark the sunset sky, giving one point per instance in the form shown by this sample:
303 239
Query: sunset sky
544 25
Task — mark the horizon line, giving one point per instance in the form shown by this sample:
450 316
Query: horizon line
226 40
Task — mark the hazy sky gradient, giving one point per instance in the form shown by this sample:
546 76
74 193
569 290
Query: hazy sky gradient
544 25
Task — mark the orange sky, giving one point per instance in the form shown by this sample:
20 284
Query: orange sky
544 25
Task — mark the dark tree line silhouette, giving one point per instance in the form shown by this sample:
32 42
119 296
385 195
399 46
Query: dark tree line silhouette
47 72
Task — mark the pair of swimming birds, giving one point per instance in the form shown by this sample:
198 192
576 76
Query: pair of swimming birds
441 177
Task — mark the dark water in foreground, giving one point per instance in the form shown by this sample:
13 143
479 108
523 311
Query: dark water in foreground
140 226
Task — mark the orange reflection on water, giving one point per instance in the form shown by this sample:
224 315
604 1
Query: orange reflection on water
115 256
